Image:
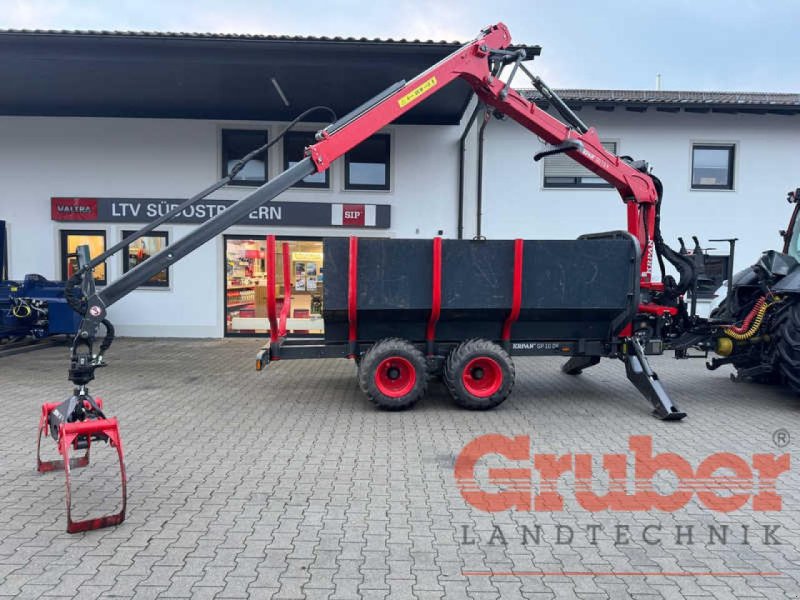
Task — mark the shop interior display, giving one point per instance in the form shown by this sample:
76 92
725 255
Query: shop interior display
246 281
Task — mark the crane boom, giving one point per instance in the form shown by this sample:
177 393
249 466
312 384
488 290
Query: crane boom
479 63
80 420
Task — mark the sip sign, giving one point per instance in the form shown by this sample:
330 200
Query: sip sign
353 215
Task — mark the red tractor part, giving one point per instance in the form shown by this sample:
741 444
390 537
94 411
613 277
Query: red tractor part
80 435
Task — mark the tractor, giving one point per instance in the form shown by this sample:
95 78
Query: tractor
763 308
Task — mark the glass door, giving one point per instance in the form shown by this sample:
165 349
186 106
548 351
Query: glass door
246 286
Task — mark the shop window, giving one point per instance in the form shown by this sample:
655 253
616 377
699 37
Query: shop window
238 143
712 166
366 167
70 240
560 171
294 144
143 248
246 286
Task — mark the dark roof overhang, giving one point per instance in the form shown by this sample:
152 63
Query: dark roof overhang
210 76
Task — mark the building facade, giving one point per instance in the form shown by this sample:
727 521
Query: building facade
79 170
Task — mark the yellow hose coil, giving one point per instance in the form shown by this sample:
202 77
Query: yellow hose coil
753 327
21 311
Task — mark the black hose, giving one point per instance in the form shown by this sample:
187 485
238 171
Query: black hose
685 267
239 165
657 233
75 300
109 338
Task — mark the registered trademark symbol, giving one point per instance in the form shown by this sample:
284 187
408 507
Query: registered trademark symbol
781 438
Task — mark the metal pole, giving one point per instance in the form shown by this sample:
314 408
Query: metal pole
479 203
462 147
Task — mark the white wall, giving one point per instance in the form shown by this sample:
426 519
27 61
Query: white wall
45 157
767 166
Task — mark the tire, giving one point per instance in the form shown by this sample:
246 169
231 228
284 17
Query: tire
788 346
479 374
393 374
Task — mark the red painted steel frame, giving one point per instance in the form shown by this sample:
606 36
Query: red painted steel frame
352 295
516 297
68 434
45 466
271 311
287 288
470 63
436 295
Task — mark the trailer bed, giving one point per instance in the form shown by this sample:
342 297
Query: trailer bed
408 309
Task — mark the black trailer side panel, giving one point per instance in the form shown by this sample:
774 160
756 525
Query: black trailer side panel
477 288
394 288
571 289
577 289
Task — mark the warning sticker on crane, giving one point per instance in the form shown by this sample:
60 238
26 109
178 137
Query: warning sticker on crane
421 89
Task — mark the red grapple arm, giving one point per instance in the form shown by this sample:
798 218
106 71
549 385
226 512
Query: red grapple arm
471 63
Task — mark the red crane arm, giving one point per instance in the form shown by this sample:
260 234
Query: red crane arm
471 63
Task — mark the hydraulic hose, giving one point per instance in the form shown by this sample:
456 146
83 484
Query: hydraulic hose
22 311
75 300
109 338
752 322
684 265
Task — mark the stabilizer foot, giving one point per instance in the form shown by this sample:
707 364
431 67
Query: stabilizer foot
576 364
646 381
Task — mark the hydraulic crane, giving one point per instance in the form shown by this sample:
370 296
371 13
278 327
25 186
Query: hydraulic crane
80 421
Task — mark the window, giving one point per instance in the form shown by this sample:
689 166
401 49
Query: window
712 166
236 144
294 143
143 248
366 167
560 171
70 240
246 285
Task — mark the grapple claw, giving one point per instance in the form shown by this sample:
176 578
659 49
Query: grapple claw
46 466
78 435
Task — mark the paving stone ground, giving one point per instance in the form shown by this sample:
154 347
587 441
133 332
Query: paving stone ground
289 484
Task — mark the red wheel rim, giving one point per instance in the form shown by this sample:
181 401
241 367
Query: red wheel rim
482 377
395 376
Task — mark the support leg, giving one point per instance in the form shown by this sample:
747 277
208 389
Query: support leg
576 364
646 381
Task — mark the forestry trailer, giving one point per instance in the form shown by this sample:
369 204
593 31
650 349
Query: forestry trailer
584 299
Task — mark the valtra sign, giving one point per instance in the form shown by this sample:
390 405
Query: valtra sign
296 214
73 209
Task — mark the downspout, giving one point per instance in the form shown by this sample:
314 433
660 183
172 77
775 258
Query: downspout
479 202
3 252
462 147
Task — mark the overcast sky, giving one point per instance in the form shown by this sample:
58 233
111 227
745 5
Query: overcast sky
733 45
